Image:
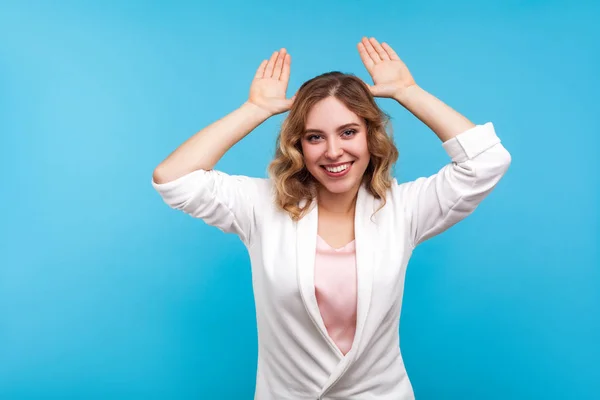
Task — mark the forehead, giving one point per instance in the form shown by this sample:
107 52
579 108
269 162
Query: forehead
330 112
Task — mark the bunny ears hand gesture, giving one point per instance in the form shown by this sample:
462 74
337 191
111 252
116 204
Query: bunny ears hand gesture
269 86
390 75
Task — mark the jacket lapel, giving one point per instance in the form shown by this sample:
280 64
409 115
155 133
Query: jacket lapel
365 232
306 247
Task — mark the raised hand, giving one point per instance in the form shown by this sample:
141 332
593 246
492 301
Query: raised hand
270 83
390 75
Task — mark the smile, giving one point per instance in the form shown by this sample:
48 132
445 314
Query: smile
338 170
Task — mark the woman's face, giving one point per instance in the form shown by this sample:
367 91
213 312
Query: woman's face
335 147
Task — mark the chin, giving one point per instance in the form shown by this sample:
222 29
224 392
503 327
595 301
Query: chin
339 187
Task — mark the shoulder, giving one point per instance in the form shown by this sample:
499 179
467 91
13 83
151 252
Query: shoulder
260 190
393 206
393 194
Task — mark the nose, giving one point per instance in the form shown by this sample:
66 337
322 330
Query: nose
334 150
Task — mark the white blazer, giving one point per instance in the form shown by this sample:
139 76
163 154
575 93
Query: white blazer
296 357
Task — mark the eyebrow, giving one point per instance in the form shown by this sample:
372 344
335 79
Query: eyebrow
339 128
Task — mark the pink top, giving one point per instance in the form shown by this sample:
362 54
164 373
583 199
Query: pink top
335 288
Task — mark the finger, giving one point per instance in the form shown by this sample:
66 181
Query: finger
371 50
285 69
271 65
279 64
380 51
261 69
364 56
390 51
374 89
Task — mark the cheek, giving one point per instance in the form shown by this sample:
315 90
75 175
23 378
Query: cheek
312 151
311 155
360 149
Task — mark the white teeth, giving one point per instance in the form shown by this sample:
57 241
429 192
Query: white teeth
339 168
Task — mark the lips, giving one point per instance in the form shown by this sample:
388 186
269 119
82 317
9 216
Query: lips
337 172
337 164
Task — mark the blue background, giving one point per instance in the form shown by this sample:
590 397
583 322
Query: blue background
105 292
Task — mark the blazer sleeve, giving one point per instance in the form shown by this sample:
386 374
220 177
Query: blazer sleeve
227 202
434 204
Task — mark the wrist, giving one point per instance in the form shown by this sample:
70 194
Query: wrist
403 96
256 111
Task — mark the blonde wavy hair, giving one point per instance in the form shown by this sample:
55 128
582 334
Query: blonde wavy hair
292 181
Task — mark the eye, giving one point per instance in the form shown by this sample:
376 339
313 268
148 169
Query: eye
313 138
349 132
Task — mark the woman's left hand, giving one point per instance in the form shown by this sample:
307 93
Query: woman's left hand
390 75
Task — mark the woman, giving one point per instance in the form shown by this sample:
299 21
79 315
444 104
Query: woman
330 232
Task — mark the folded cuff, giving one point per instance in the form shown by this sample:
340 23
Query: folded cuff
471 142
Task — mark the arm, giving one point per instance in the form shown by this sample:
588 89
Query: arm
205 148
445 122
430 205
185 179
393 80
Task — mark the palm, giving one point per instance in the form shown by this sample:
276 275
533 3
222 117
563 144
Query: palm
390 74
270 83
267 89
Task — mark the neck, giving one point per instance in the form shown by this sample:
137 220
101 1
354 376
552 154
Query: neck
337 203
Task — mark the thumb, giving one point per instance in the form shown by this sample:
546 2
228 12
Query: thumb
289 102
373 89
283 105
379 90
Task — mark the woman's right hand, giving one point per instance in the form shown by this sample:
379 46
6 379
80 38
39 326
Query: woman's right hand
270 83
